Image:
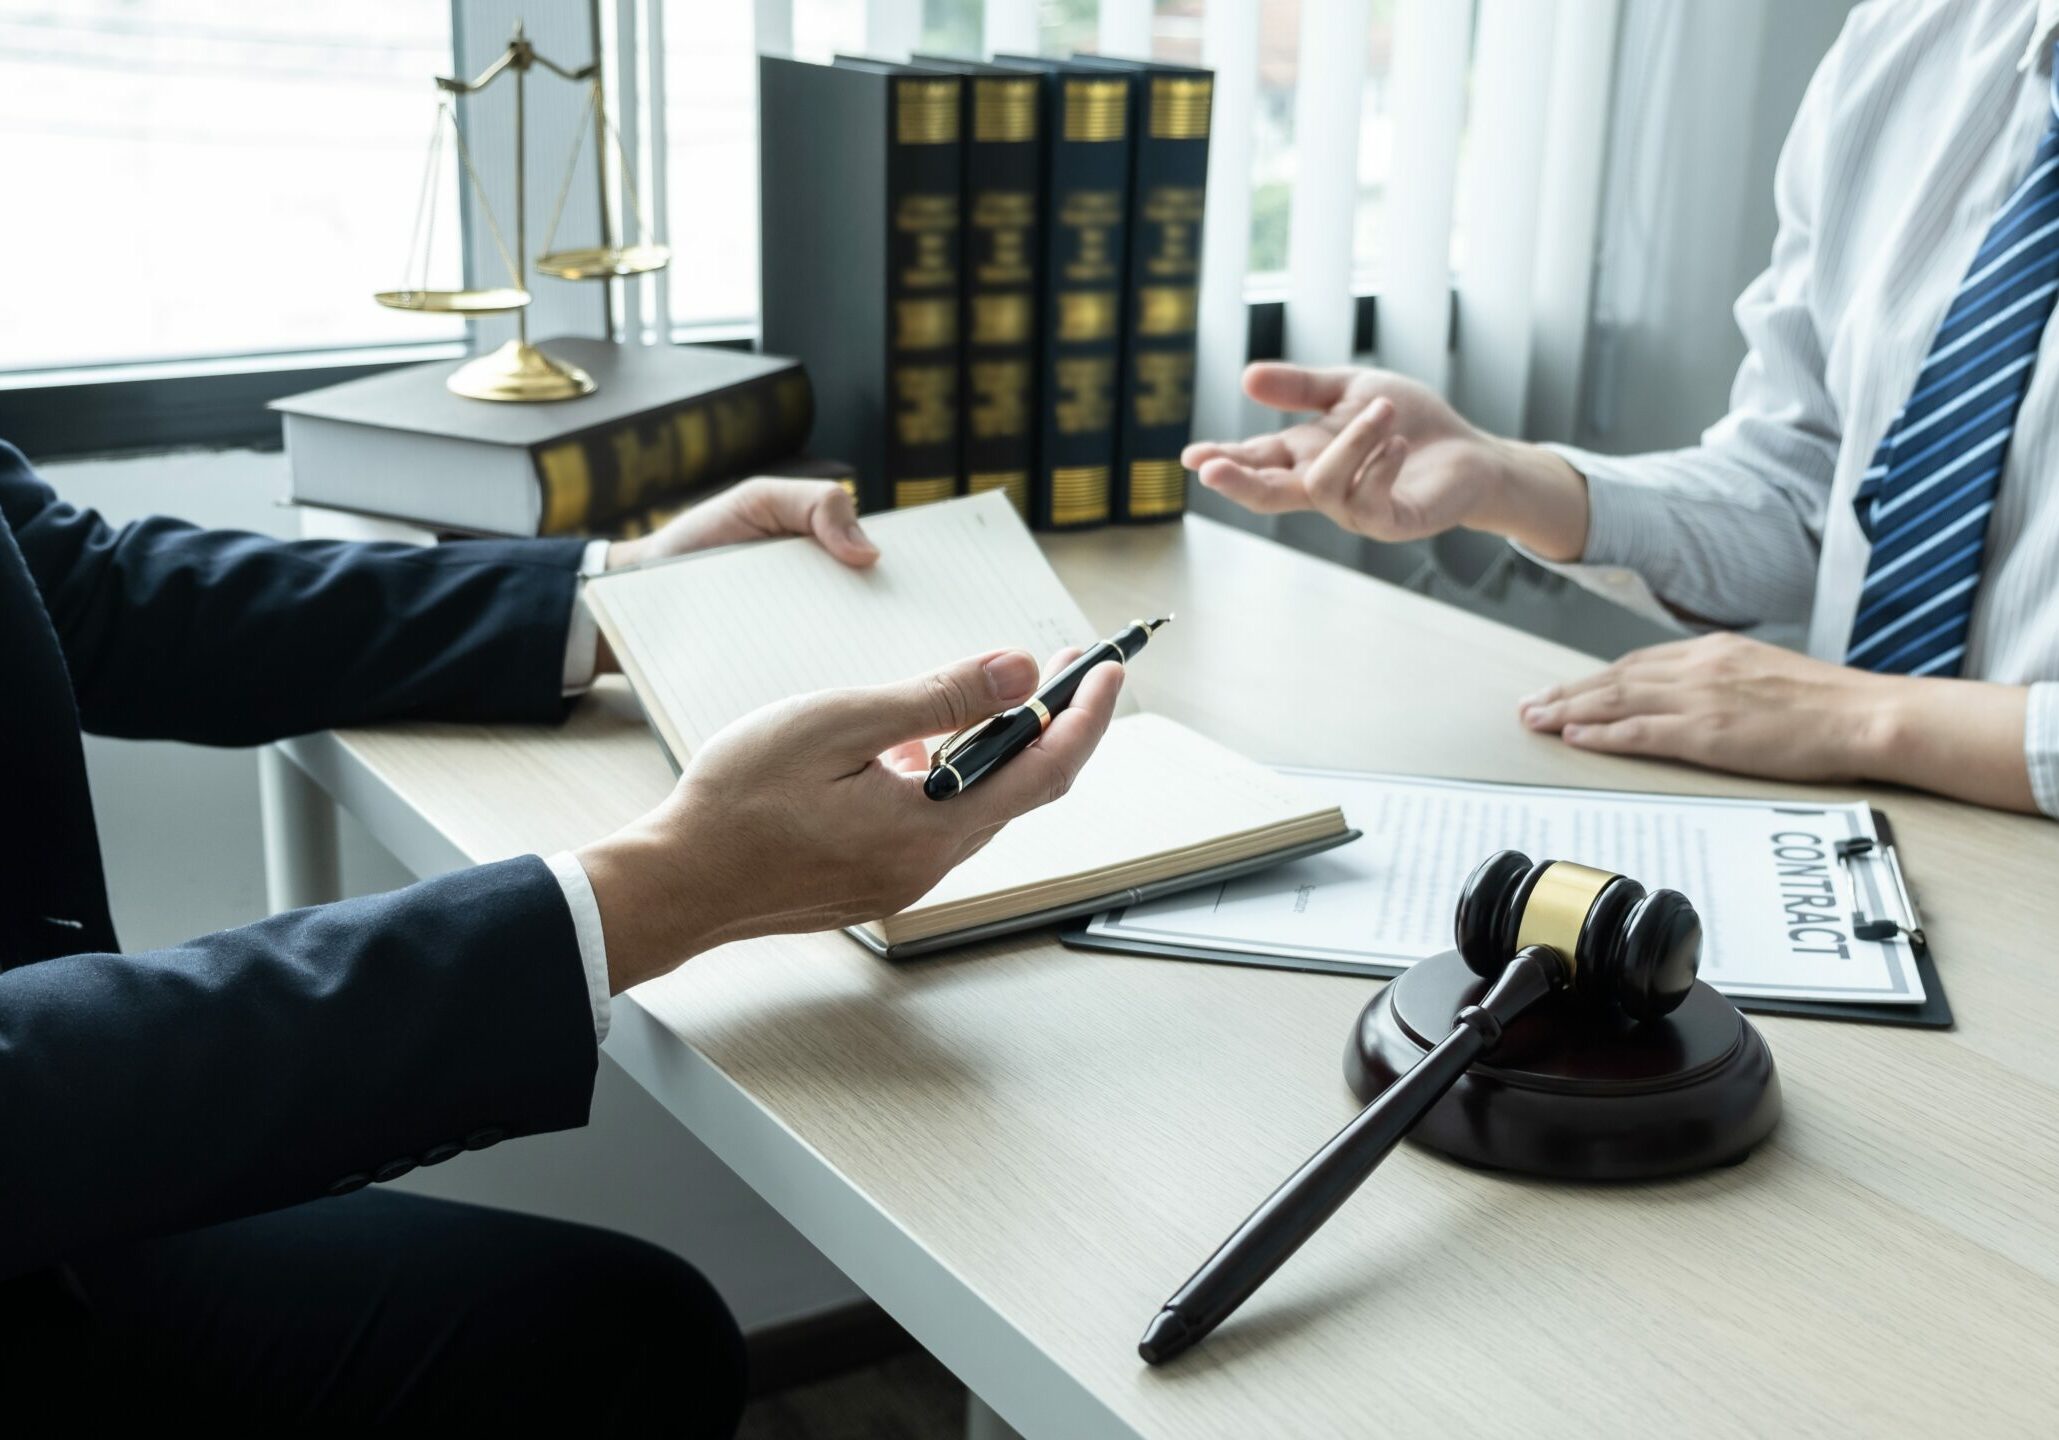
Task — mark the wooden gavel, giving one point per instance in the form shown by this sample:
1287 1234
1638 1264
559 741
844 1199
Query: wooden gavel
1530 929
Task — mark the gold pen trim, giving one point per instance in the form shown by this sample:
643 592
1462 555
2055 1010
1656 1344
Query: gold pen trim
1043 715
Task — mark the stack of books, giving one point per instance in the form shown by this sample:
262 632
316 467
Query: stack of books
666 424
990 271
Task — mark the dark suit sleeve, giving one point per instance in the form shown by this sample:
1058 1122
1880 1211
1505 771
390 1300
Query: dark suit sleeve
222 638
300 1056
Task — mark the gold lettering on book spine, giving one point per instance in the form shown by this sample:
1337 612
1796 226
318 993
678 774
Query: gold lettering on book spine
1096 110
1000 319
999 406
1086 389
1157 487
695 442
1079 494
1164 393
925 324
927 412
1004 111
1165 310
1086 315
1014 483
922 492
928 111
1179 107
646 464
567 488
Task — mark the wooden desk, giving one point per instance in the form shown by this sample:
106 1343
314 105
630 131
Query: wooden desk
1020 1150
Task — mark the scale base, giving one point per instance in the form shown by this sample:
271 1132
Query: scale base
1572 1094
521 373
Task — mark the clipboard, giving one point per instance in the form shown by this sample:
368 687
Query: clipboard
1876 870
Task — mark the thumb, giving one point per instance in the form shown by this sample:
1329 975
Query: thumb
878 717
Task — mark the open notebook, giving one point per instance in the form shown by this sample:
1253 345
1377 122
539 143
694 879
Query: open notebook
708 638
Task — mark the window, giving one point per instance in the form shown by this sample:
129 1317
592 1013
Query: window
287 140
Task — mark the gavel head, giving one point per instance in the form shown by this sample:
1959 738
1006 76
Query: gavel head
1622 947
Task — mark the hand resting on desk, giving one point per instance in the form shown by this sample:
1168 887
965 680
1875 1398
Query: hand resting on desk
809 814
1387 458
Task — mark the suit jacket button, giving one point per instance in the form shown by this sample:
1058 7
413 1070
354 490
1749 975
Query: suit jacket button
394 1169
480 1139
437 1154
355 1181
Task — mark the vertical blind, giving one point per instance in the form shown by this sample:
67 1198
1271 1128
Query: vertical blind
1487 150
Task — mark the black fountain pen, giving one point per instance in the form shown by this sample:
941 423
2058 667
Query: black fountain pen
975 750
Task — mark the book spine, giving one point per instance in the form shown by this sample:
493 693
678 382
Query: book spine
594 480
1003 245
1086 177
923 269
1169 116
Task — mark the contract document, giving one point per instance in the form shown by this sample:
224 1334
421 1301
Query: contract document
1779 905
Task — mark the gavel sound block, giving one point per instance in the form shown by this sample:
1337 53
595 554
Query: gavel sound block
1665 1079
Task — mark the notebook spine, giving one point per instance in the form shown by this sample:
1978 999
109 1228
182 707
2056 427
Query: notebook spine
924 265
1003 155
1086 179
1169 116
595 480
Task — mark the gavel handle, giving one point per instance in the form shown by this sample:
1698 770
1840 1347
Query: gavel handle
1295 1211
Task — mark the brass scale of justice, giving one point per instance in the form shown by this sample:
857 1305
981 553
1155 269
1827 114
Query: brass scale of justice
519 371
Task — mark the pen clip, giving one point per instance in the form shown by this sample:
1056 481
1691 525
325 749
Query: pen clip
953 743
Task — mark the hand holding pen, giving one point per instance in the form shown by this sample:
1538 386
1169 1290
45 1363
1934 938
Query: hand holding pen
978 749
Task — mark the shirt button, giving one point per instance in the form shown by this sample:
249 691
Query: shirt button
437 1154
355 1181
480 1139
394 1169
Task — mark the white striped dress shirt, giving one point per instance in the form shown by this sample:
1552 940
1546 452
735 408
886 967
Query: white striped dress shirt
1919 124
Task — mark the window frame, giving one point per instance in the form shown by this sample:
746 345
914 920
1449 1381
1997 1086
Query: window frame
225 403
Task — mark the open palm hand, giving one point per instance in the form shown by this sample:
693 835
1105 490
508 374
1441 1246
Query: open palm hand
1379 454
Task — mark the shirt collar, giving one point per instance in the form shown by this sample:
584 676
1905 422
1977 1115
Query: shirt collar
2036 54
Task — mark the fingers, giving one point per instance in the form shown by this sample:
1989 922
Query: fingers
1331 477
832 517
1263 492
862 723
1667 736
1295 387
1602 702
1653 662
1260 452
1046 770
773 505
1061 659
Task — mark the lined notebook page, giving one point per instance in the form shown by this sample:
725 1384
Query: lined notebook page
710 638
1153 788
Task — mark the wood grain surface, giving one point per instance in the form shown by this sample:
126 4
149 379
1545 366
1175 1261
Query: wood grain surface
1071 1133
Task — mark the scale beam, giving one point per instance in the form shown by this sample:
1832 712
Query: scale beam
518 371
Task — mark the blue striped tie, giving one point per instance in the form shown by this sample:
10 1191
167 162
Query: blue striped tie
1926 500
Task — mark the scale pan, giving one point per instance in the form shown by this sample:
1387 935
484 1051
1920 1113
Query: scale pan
455 302
599 262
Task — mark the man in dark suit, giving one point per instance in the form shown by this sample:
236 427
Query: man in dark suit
186 1134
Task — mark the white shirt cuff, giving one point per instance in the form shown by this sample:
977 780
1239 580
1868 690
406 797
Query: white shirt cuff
1615 583
2041 746
582 636
586 924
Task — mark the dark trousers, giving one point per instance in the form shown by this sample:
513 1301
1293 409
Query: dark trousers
376 1306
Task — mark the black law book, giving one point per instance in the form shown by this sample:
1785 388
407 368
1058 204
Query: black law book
666 423
859 263
1168 124
1086 194
1000 210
